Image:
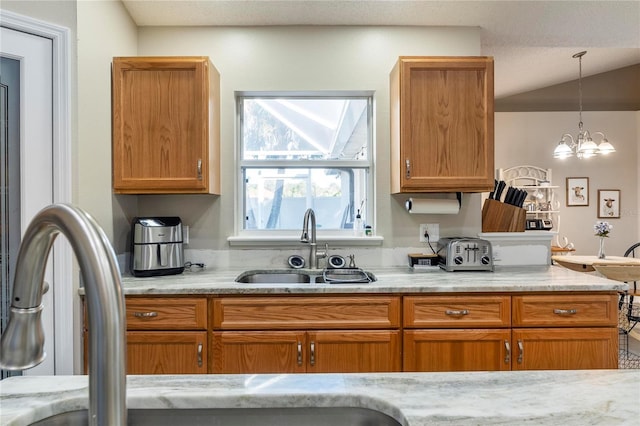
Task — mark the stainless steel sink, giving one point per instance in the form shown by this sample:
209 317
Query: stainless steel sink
306 276
312 416
275 276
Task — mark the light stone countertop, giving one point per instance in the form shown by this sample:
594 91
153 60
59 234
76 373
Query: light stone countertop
389 280
578 397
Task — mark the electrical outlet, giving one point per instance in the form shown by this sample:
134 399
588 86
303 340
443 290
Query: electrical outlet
433 229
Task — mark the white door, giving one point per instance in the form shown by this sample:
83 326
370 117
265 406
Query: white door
36 148
42 50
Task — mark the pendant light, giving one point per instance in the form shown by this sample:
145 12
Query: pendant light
583 145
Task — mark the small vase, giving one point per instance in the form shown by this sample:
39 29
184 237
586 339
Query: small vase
601 254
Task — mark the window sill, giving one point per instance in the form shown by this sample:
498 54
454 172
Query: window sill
291 241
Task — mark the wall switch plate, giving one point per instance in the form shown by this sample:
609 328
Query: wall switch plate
433 229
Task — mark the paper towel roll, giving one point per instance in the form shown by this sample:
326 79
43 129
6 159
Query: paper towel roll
432 206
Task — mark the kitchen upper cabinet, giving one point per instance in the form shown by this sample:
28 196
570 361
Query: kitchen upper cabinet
166 133
442 137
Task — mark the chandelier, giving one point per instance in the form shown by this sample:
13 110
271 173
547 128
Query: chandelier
583 145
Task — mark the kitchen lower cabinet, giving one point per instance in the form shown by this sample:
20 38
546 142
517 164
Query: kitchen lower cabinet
565 331
345 351
457 350
175 352
165 335
564 348
510 332
306 334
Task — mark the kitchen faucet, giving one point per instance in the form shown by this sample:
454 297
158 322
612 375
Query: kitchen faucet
314 254
21 346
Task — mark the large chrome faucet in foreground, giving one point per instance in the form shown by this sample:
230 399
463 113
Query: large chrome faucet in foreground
313 249
22 342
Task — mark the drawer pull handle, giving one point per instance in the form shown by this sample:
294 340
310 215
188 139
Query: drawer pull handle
457 313
312 357
408 168
199 168
565 311
199 354
299 353
507 357
520 351
145 314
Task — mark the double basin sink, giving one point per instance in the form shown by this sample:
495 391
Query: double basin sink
306 276
308 416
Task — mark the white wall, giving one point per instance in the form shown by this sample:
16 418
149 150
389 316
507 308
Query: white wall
105 30
530 138
306 58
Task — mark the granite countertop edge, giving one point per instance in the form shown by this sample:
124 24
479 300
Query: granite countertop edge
570 397
214 281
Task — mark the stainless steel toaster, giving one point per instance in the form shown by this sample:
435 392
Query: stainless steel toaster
157 246
465 254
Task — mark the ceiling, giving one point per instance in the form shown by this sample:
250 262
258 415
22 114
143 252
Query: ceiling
532 42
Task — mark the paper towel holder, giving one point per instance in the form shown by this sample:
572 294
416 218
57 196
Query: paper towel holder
458 197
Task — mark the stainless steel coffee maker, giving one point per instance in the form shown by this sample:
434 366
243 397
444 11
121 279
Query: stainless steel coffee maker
156 246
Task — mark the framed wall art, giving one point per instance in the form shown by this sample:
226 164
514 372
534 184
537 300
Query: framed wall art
608 203
577 191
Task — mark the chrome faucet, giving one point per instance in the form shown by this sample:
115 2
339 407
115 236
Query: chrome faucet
314 254
21 346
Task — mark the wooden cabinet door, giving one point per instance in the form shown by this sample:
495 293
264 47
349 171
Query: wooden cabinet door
442 134
176 352
457 350
252 352
357 351
165 135
564 348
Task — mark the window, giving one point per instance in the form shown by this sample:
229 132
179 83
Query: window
305 150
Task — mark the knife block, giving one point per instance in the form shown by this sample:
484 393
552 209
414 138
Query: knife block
501 217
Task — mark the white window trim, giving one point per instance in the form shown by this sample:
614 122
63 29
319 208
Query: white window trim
291 238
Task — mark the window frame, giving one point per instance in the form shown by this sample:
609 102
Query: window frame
256 236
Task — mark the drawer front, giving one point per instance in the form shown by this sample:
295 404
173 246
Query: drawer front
145 313
287 313
565 310
457 311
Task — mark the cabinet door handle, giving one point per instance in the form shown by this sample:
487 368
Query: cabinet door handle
199 354
507 357
145 314
408 168
457 313
565 311
199 168
299 353
312 356
520 351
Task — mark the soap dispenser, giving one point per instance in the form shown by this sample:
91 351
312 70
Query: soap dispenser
358 225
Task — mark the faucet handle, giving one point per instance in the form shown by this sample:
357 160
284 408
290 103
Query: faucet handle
325 253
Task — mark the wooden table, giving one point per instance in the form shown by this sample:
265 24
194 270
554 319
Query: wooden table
586 263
